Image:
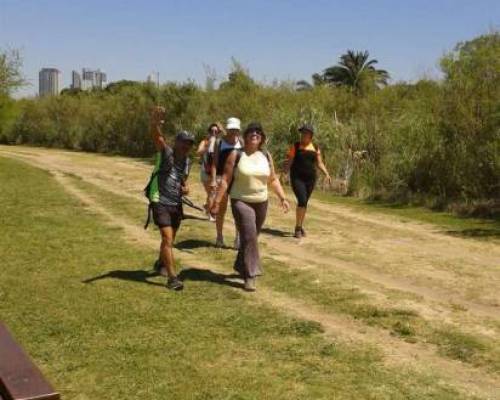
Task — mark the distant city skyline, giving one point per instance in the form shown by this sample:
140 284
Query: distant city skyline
284 40
48 82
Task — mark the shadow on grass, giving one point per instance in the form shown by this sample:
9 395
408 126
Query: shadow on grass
189 274
276 232
477 233
191 244
206 275
127 275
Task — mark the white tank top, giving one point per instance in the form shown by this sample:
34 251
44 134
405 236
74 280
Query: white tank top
250 178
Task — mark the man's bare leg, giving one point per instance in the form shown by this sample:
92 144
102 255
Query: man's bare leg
166 251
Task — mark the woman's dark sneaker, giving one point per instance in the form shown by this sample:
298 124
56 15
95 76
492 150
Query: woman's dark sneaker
174 284
303 232
298 232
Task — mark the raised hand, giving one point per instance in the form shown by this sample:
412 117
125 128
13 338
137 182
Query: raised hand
158 115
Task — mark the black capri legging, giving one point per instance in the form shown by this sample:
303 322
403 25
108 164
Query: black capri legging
302 188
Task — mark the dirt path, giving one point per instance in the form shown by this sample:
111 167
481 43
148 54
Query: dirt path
409 257
121 176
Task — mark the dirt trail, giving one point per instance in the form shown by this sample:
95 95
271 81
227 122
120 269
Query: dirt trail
409 257
420 357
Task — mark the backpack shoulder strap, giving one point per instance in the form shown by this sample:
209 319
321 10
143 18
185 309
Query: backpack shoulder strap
236 162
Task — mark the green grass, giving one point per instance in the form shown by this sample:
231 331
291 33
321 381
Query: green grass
336 293
124 336
449 223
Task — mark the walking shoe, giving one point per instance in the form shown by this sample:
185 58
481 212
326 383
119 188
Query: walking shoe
211 218
298 232
303 232
250 285
174 283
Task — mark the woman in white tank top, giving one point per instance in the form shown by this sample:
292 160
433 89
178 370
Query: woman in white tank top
246 177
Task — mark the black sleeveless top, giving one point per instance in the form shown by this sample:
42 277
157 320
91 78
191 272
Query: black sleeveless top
304 163
224 149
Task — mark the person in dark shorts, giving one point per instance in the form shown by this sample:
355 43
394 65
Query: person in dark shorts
167 187
303 159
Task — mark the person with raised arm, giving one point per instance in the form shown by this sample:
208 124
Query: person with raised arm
167 185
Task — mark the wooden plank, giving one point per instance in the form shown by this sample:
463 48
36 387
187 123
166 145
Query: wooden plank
20 378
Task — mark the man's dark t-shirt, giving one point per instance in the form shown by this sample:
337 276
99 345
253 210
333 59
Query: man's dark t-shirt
172 173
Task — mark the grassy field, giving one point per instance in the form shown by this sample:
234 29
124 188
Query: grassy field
77 291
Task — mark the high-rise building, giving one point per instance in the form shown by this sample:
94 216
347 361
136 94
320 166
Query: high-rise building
154 77
76 80
100 78
93 79
48 82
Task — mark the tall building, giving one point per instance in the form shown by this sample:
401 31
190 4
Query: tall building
48 82
101 79
76 80
93 79
154 77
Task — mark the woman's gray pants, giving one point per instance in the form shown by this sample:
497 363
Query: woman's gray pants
249 218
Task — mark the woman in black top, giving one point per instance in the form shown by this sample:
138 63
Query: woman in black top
303 159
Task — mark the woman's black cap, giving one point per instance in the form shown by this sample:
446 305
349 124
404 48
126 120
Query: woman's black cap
307 128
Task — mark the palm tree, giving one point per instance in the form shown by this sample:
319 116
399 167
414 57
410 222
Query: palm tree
302 85
356 71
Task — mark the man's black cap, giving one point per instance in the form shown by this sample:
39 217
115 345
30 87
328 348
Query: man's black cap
185 136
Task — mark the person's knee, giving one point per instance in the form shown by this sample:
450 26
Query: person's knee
167 237
302 203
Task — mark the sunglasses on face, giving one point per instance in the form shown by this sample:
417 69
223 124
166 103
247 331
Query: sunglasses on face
254 133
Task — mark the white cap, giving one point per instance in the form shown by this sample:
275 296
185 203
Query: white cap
233 123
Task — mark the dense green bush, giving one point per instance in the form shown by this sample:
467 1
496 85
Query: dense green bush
431 140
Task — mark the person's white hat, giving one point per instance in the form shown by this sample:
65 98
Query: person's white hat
233 123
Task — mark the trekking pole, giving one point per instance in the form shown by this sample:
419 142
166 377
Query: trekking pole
189 203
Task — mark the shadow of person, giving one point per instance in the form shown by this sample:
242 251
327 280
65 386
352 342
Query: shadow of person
276 232
127 275
206 275
477 233
191 244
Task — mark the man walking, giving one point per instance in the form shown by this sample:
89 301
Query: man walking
166 188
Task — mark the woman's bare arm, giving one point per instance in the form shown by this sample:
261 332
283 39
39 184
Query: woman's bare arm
275 184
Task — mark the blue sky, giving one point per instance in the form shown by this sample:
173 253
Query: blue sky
273 39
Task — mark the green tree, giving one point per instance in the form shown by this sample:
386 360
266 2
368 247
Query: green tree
10 71
10 79
355 70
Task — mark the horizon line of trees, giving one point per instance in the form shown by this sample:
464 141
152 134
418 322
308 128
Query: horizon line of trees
432 142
